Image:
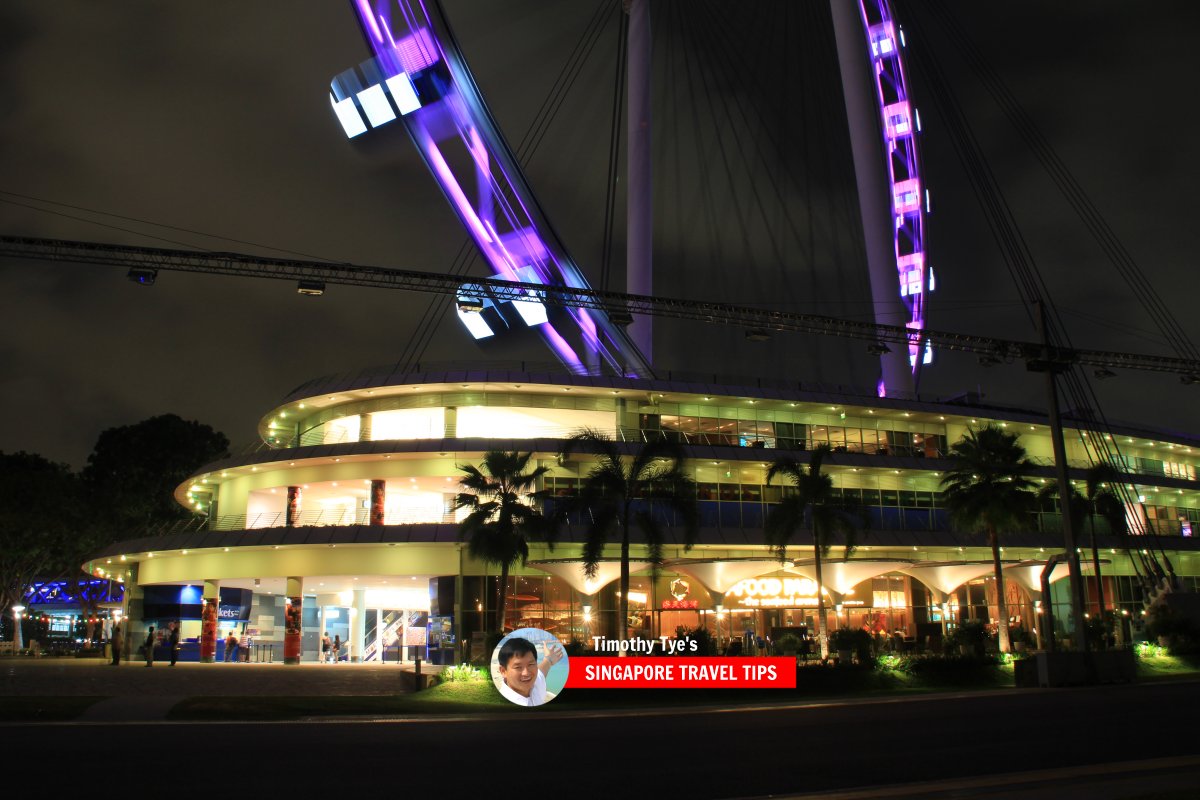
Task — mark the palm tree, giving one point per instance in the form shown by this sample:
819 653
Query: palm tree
501 524
612 495
812 504
1104 502
987 489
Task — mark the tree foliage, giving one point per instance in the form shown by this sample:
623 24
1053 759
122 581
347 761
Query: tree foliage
133 470
812 505
988 489
501 522
41 510
610 495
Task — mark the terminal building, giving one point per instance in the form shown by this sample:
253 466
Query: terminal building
341 518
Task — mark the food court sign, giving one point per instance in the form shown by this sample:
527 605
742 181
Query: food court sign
773 593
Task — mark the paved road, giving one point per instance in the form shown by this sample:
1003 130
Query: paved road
736 753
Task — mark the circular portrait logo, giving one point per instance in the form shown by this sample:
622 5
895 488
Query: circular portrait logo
529 667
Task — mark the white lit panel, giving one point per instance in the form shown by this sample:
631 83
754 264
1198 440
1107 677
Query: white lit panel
375 103
348 115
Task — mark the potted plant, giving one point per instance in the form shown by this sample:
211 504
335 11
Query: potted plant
788 644
843 640
970 636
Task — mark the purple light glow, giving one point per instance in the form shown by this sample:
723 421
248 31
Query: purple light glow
364 13
492 196
899 142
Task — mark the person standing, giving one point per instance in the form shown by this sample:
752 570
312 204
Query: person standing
326 647
116 641
148 647
337 647
231 643
174 643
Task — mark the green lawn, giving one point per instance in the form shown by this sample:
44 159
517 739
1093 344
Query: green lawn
482 698
1161 666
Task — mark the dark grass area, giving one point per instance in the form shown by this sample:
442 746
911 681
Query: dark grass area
814 683
44 709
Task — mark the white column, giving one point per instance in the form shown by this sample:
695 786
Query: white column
870 170
379 634
358 625
640 212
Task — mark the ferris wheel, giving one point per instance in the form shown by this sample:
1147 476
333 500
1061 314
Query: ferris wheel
419 75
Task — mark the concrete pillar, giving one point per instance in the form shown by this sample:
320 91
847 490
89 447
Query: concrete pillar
870 171
378 496
639 223
364 427
358 624
293 617
293 506
208 621
131 608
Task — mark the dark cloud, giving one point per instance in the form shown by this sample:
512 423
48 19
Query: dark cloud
216 120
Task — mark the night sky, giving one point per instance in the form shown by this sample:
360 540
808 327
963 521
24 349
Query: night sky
214 118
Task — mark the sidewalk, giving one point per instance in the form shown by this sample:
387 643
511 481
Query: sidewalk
27 677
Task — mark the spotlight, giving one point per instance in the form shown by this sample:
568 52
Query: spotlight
1190 379
142 277
620 317
757 335
310 288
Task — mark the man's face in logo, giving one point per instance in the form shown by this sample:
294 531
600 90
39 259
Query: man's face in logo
520 673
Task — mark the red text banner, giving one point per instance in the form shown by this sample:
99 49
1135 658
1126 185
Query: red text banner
682 673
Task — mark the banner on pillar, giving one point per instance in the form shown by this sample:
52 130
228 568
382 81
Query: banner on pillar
292 629
208 629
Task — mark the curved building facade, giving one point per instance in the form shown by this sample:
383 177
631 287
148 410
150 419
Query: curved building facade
341 518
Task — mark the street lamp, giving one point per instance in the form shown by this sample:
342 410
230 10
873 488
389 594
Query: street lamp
18 645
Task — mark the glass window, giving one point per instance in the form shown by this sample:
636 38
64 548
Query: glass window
706 491
751 493
889 497
729 493
854 440
870 497
837 438
908 499
772 494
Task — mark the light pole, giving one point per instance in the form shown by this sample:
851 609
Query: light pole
18 644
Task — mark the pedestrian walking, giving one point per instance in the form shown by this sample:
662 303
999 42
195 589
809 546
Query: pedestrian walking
116 641
148 647
326 647
231 643
337 647
174 643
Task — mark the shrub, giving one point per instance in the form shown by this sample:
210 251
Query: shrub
463 673
1168 626
705 646
842 639
788 643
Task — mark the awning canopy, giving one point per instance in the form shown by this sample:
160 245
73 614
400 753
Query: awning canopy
841 576
573 572
947 576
